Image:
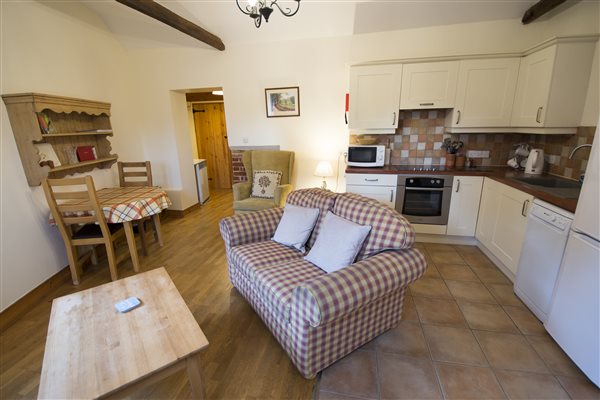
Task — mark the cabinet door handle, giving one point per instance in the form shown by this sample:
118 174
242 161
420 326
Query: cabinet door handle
391 195
371 180
457 185
524 209
537 116
394 120
425 104
457 117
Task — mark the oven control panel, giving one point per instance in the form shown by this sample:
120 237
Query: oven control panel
425 182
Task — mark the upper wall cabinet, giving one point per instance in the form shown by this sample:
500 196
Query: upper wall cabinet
552 85
374 98
429 85
485 93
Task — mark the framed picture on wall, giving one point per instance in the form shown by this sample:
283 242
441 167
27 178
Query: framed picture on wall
283 102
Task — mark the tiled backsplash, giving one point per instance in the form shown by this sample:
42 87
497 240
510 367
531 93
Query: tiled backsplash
420 134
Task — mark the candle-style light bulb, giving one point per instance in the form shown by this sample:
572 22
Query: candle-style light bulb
252 3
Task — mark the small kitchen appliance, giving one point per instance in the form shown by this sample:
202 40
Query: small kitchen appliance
535 162
366 156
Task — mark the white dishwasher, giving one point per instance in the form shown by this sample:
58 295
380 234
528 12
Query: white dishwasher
545 240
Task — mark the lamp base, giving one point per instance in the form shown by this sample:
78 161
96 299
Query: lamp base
324 184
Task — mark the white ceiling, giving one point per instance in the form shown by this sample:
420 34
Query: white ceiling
316 18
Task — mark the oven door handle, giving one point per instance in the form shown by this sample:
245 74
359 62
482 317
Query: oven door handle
428 189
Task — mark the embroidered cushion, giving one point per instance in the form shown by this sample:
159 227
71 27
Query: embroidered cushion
264 183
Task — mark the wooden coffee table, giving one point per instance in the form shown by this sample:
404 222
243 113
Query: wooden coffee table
93 351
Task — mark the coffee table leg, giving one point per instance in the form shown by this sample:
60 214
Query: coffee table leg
132 245
194 370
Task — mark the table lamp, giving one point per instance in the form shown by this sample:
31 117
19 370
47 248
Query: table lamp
324 170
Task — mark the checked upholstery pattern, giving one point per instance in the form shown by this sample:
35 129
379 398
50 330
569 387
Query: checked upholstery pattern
318 317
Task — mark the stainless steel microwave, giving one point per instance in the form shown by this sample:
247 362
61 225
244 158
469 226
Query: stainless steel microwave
366 156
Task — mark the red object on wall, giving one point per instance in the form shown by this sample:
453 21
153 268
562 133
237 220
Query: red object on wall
85 153
347 101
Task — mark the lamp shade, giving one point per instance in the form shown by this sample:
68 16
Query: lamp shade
324 169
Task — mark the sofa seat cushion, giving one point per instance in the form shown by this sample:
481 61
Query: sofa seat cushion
276 283
253 256
389 229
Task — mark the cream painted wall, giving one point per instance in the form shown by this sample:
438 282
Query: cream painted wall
57 49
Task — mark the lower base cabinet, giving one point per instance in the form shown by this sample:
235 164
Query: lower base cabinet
381 187
464 205
502 221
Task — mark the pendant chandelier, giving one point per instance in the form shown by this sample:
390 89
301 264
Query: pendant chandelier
259 9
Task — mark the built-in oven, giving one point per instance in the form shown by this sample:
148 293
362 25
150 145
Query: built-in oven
424 199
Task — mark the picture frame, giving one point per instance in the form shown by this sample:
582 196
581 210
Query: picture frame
283 102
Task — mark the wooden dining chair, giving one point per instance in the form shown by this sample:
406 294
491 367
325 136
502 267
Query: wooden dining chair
139 173
81 222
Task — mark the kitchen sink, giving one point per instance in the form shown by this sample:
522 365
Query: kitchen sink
559 187
549 182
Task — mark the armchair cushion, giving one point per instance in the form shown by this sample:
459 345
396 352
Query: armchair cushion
253 204
264 183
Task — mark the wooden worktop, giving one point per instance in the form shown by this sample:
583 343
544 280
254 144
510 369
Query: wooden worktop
500 174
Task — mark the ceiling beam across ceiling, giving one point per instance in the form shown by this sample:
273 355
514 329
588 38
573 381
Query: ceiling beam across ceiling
540 8
166 16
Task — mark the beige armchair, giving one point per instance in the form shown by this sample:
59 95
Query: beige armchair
255 160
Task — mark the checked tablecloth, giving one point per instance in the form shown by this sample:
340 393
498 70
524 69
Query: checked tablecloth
125 204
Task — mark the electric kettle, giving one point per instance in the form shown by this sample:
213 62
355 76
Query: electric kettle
535 162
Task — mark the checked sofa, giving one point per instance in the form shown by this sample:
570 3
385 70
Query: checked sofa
318 317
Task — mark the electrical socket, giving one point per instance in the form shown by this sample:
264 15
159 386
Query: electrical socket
478 154
245 140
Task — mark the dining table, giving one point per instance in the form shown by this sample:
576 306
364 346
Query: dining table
126 205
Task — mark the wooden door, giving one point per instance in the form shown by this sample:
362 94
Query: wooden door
211 139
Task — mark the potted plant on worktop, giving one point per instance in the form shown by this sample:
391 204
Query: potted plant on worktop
452 148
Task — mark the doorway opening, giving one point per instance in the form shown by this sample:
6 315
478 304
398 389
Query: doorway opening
209 136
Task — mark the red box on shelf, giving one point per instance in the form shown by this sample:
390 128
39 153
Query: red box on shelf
85 153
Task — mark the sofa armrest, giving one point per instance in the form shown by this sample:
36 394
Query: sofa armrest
252 227
331 296
281 194
241 190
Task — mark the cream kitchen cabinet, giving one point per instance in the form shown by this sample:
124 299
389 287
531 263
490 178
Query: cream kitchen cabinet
429 85
464 205
502 221
485 93
381 187
374 98
552 85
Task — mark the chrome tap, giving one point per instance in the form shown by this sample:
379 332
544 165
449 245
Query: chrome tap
577 148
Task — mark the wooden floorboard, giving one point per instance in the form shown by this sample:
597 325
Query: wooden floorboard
243 360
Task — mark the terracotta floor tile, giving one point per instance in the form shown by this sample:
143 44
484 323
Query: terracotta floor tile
527 323
407 378
369 346
490 275
462 382
504 294
334 396
439 312
454 345
554 357
470 291
457 272
579 388
450 256
439 247
487 317
406 339
527 385
409 312
426 287
354 374
509 351
477 260
466 249
431 272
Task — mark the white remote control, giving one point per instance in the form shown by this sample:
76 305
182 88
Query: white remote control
128 304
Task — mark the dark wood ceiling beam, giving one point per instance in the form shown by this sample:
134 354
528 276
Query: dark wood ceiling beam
540 8
166 16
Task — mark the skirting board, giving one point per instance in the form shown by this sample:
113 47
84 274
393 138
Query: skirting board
12 313
445 239
181 213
